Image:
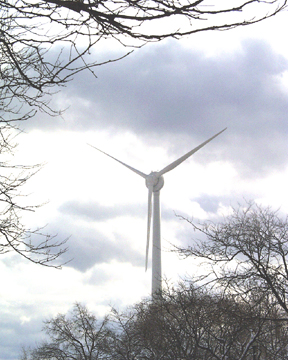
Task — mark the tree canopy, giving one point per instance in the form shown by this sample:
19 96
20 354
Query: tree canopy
186 323
247 253
76 335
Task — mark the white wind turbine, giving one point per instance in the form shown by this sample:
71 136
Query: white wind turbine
154 183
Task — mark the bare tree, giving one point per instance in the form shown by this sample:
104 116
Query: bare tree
247 253
14 236
76 336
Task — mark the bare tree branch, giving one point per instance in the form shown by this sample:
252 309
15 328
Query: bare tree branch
33 245
43 44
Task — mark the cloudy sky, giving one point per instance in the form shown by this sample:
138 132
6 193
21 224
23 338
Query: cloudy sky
147 110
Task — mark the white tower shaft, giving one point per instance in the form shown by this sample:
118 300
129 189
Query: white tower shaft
156 246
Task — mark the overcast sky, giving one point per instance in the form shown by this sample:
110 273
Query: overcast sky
147 110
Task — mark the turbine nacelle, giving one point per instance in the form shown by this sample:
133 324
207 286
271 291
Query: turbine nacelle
154 181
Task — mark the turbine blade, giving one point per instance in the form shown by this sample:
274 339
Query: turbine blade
128 166
186 156
150 191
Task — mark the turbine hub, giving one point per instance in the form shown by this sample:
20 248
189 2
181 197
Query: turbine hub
155 181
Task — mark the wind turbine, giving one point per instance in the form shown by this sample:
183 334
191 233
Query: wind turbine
154 182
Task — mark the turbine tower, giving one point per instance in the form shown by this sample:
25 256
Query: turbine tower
154 182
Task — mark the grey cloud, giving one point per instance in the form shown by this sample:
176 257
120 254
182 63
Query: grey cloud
164 88
211 203
98 276
88 246
92 211
169 92
27 334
